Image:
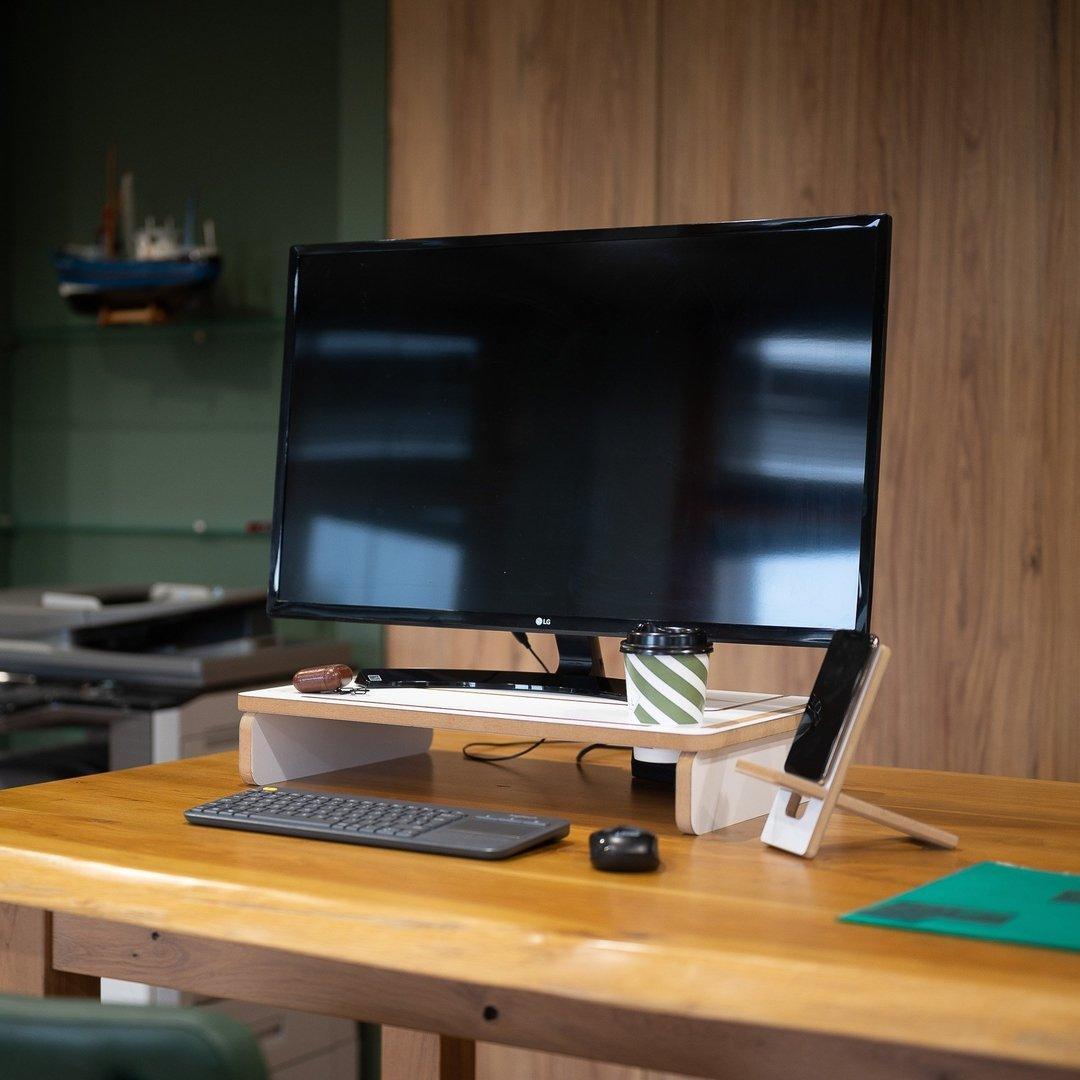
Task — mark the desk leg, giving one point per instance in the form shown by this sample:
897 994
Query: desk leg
26 955
422 1055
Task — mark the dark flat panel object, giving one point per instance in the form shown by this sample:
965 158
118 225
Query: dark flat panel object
578 431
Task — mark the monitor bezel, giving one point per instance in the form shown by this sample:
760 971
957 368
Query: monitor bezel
552 622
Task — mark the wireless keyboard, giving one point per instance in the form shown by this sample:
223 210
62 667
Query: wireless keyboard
358 819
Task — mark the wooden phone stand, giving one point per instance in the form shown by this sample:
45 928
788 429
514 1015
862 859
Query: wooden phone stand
801 809
285 735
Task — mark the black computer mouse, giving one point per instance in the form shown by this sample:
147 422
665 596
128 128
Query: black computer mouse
624 847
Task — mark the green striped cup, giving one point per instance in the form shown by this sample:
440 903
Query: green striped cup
667 668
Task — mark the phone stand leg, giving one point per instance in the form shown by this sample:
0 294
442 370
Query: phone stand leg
792 824
796 821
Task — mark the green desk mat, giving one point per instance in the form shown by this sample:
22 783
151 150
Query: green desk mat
990 900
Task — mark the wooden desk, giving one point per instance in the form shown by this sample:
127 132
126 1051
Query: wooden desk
729 962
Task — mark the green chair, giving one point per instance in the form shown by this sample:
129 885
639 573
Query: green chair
74 1039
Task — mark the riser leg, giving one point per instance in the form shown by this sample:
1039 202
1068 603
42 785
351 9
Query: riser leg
275 748
710 794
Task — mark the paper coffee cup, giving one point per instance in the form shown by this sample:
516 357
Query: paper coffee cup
667 668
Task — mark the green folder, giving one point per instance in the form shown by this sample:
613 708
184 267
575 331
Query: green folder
990 900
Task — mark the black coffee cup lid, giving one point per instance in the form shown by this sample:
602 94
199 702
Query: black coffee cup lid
657 640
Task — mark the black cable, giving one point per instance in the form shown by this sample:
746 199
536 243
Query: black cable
580 756
523 641
529 747
466 750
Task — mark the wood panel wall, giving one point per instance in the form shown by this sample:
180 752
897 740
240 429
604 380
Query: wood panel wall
962 119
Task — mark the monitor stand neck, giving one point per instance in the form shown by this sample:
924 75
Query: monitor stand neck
579 655
580 672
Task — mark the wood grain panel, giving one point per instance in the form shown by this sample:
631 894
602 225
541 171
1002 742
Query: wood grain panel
960 118
1057 745
510 115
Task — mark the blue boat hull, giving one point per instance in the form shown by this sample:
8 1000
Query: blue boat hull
89 284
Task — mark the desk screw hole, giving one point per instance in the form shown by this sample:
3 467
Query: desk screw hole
490 1012
154 935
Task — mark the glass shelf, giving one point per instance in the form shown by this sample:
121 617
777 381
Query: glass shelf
198 329
24 528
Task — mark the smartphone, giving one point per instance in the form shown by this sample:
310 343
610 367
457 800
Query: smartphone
835 690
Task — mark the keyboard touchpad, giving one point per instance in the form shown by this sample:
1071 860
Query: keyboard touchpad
487 827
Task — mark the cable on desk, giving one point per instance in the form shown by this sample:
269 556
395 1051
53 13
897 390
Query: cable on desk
580 756
468 752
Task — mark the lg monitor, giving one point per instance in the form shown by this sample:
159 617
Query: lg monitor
574 432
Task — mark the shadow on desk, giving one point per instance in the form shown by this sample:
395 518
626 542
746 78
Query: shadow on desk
546 783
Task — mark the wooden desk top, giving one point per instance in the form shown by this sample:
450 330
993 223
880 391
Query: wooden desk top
729 930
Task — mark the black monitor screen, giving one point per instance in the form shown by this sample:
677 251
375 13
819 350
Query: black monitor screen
584 430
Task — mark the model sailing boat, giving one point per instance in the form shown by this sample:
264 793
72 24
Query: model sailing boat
137 275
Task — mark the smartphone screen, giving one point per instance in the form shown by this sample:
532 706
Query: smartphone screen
829 704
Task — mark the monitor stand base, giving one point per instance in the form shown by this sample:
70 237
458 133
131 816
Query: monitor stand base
580 672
